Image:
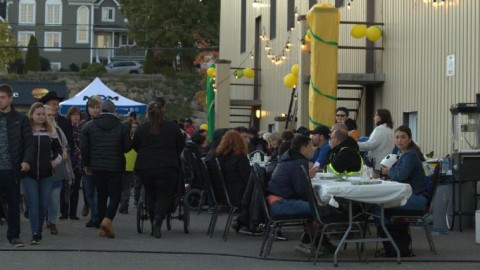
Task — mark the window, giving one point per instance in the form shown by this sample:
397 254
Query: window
83 20
410 119
290 14
26 12
108 14
53 12
243 27
125 40
23 37
273 19
53 41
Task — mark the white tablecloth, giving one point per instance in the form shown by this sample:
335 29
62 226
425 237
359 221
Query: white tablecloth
389 194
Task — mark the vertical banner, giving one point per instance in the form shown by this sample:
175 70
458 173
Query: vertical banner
324 24
210 107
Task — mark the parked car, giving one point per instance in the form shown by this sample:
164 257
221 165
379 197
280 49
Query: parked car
124 67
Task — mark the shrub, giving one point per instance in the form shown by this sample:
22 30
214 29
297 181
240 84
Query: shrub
94 69
44 64
74 67
32 58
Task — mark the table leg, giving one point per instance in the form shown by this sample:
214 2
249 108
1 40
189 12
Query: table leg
390 239
347 232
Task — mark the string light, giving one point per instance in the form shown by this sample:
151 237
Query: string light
251 55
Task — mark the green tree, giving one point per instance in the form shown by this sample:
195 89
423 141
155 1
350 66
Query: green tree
9 52
32 59
149 66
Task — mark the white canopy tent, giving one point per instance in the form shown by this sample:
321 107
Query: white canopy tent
98 88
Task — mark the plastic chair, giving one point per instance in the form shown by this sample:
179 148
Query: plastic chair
274 223
326 228
420 217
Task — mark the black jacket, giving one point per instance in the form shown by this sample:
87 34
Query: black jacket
236 172
158 150
67 129
20 140
47 149
103 142
345 158
286 181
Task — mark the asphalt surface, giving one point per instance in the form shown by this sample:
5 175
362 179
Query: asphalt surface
77 247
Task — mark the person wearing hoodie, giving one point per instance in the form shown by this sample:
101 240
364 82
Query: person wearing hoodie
103 143
89 189
344 157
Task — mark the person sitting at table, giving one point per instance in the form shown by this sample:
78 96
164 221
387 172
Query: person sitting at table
320 137
232 155
343 157
409 170
287 195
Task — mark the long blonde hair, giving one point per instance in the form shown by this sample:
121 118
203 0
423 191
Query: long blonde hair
48 125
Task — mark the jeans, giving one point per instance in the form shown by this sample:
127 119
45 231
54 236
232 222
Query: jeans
160 187
415 202
90 193
54 202
38 194
290 207
109 188
10 187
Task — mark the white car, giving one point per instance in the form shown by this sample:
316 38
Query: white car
124 67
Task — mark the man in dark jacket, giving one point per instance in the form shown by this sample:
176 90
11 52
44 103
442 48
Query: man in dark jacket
102 144
343 156
287 194
16 155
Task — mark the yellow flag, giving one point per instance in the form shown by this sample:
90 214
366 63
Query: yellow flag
324 27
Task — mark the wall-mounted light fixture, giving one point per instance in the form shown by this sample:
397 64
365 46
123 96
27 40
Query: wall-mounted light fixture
258 113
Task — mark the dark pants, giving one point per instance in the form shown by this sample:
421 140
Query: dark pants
126 188
11 189
109 188
69 204
160 186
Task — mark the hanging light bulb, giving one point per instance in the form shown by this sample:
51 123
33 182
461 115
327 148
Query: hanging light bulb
348 6
303 44
251 55
287 49
289 44
284 56
267 47
296 12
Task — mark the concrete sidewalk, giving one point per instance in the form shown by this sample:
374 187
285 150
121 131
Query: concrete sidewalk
77 247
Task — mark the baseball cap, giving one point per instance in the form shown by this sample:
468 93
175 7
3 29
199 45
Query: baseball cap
321 130
303 130
389 160
107 106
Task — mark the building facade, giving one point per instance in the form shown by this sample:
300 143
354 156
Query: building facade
426 60
72 31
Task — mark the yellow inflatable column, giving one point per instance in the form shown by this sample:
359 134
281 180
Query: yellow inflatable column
324 21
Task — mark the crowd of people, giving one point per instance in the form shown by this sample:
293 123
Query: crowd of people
52 156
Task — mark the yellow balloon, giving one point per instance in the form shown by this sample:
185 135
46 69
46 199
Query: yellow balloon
358 30
307 38
374 33
295 70
290 80
211 71
248 72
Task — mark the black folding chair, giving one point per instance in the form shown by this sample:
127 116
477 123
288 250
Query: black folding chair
202 166
274 222
419 217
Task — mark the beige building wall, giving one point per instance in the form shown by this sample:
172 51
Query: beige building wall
417 39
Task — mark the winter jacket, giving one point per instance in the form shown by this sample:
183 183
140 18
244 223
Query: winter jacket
408 169
103 142
47 149
344 158
286 181
158 150
379 144
20 140
236 172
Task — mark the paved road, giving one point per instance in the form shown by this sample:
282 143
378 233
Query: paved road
77 247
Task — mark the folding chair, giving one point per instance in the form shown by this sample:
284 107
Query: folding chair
274 222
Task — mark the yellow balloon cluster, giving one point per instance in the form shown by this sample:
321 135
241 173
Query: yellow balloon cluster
211 71
373 33
291 79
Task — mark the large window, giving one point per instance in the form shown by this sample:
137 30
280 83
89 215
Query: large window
108 14
83 21
26 12
53 41
23 37
53 12
125 40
